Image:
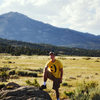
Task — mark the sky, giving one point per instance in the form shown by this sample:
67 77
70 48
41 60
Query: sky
80 15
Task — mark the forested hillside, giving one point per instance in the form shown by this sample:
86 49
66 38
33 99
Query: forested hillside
18 47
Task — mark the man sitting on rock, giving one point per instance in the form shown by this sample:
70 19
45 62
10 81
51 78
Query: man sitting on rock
53 71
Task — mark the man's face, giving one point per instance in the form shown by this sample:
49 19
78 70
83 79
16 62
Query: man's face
52 56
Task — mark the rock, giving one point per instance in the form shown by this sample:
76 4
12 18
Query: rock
23 93
72 78
87 77
96 74
11 86
78 75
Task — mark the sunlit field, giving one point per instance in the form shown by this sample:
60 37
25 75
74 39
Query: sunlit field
77 70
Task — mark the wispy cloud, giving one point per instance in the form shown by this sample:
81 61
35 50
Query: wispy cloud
81 15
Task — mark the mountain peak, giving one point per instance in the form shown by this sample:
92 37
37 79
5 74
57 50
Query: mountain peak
13 14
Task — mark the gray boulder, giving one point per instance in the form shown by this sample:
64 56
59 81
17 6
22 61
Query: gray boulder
16 92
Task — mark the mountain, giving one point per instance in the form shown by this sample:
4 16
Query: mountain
16 26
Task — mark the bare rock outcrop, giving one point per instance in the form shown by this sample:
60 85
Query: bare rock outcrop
13 91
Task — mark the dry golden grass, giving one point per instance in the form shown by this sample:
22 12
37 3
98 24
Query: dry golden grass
76 70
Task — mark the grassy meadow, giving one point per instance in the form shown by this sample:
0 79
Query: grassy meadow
77 71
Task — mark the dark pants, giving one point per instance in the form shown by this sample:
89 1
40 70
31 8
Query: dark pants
56 81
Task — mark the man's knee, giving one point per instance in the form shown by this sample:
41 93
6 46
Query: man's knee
45 69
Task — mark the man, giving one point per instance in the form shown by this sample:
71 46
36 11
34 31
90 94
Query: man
53 71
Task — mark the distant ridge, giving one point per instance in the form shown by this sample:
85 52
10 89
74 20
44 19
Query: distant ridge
16 26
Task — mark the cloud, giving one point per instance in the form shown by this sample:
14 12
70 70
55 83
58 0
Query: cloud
81 15
40 2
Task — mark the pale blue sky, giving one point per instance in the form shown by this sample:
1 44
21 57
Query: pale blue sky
80 15
0 1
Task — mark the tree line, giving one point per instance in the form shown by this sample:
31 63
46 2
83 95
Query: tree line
45 49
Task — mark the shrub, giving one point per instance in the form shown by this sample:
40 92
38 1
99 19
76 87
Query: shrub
32 74
28 82
2 85
40 70
14 76
70 94
97 61
87 58
73 59
65 84
96 96
4 76
27 73
84 91
12 72
22 73
34 83
5 68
